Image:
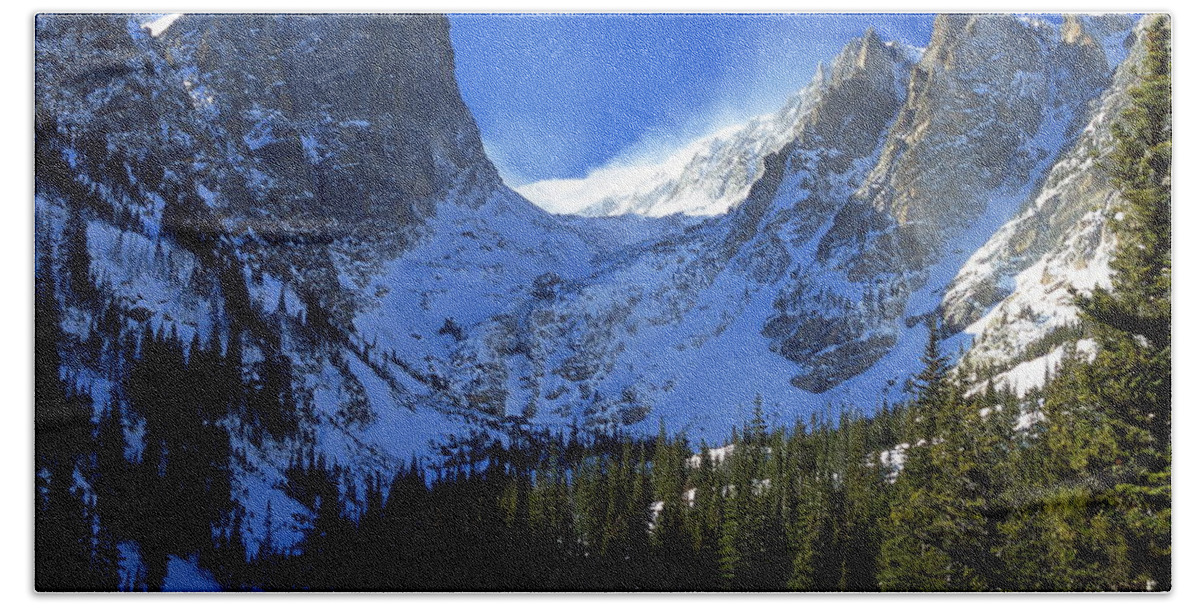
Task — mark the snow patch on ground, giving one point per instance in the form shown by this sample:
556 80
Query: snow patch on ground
1029 375
715 456
185 574
131 572
158 26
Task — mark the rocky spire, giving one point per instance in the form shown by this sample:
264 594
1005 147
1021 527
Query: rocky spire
363 112
986 97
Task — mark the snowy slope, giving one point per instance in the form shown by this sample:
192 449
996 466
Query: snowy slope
704 178
673 329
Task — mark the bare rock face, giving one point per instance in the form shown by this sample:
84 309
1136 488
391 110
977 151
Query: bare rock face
1074 187
311 120
359 114
812 202
307 140
862 92
987 90
986 110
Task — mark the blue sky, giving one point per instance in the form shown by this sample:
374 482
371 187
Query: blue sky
556 96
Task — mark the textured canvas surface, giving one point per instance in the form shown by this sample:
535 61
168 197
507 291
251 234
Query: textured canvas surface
808 302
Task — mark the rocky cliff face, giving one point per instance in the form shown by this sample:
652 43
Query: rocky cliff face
988 105
288 133
360 115
1013 296
810 197
344 116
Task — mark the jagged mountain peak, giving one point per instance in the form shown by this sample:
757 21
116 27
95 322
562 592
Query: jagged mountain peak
865 53
333 90
992 102
713 174
987 107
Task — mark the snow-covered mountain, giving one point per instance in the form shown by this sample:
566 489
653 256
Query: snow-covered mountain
678 328
311 194
895 174
704 178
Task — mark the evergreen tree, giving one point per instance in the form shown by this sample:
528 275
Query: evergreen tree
1129 383
913 556
78 259
63 519
931 387
814 536
672 550
865 506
